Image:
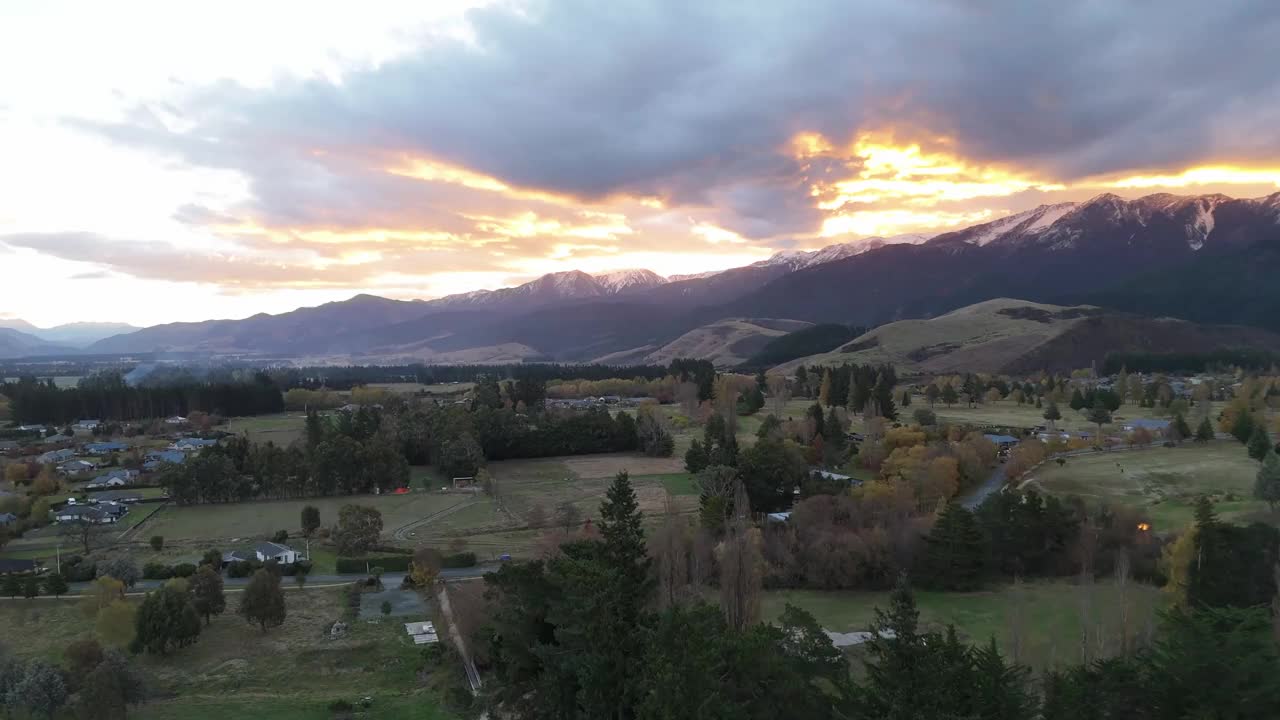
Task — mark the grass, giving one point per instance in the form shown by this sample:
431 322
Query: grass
265 517
280 428
293 671
675 483
411 388
1163 481
1051 613
1007 413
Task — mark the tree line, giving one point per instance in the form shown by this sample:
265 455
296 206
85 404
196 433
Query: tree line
347 377
597 630
32 401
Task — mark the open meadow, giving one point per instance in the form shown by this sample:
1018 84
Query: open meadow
234 670
1009 414
1039 622
1164 482
279 428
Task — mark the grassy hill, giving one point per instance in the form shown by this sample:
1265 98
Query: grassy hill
727 343
1016 336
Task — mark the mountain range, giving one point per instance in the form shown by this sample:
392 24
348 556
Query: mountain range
1206 258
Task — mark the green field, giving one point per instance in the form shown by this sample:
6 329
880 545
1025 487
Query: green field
293 671
1007 413
264 517
1163 481
1051 613
280 428
410 388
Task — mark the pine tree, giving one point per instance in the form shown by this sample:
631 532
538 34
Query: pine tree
949 395
1077 400
802 381
882 396
1052 414
1204 431
1242 427
932 393
263 600
1259 445
1000 689
695 458
55 585
166 620
1181 429
1099 415
31 588
1267 485
956 556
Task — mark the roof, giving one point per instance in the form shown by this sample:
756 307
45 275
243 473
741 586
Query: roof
828 475
1001 439
6 518
79 511
105 446
271 549
17 566
171 456
116 496
779 516
1148 424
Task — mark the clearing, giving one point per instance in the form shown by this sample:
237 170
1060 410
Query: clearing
1163 481
1052 615
234 670
280 428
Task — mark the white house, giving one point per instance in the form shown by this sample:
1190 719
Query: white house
101 514
264 552
175 420
56 456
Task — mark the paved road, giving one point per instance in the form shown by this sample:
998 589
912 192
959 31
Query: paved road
388 579
992 484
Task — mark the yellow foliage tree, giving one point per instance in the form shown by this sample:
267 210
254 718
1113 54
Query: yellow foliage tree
100 594
115 624
1175 563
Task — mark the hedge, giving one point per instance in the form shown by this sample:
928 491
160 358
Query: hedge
389 563
460 560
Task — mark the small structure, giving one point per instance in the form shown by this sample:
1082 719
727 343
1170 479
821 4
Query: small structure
7 519
116 496
33 428
850 639
75 467
1155 426
116 477
1003 442
18 567
263 552
104 448
56 456
87 426
158 459
423 633
192 444
778 517
175 420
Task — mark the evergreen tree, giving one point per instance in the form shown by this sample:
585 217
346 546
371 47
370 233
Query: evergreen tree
55 585
1204 431
882 395
695 458
263 600
819 420
1077 400
1267 485
310 520
31 587
949 395
824 392
1181 430
1259 445
771 427
932 393
1099 415
802 381
1000 690
1052 414
1242 426
956 553
166 620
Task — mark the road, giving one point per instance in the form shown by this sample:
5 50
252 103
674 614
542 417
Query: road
388 579
992 484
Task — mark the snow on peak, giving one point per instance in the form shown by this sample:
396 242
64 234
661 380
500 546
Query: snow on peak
799 259
619 280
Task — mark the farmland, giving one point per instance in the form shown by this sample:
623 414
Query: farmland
1051 614
294 671
1162 481
280 428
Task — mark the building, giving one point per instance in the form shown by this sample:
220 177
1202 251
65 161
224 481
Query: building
116 496
192 444
423 633
1155 426
86 425
104 448
1004 442
18 567
33 428
75 467
7 519
100 514
175 420
158 459
56 456
116 477
264 552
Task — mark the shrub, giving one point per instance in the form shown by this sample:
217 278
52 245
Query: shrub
242 568
386 607
393 563
81 572
157 542
156 571
460 560
184 570
280 536
212 556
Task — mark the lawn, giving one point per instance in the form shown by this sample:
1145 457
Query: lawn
1007 413
675 483
280 428
264 517
1051 614
1164 481
293 671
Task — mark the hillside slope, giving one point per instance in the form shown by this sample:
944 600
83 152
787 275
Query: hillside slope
1016 336
726 343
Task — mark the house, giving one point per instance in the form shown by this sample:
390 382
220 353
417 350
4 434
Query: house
175 420
18 567
116 496
86 425
158 459
75 467
33 428
1155 426
835 477
8 446
264 552
104 448
192 444
116 477
57 438
423 633
101 514
778 517
56 456
7 519
1003 442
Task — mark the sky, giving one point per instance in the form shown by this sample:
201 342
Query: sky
165 162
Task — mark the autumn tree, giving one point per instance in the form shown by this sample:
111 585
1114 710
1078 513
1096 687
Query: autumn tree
359 528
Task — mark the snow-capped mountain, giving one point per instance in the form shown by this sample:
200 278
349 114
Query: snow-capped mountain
625 280
800 259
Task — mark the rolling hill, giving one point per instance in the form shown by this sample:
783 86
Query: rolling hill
1017 336
726 343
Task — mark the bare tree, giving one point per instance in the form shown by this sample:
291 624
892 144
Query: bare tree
687 396
741 563
83 531
779 393
670 546
1122 587
568 516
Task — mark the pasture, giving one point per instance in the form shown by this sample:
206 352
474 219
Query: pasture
1007 413
1164 482
293 671
1050 616
262 518
279 428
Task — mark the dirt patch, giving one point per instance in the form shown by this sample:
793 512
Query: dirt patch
404 603
924 353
